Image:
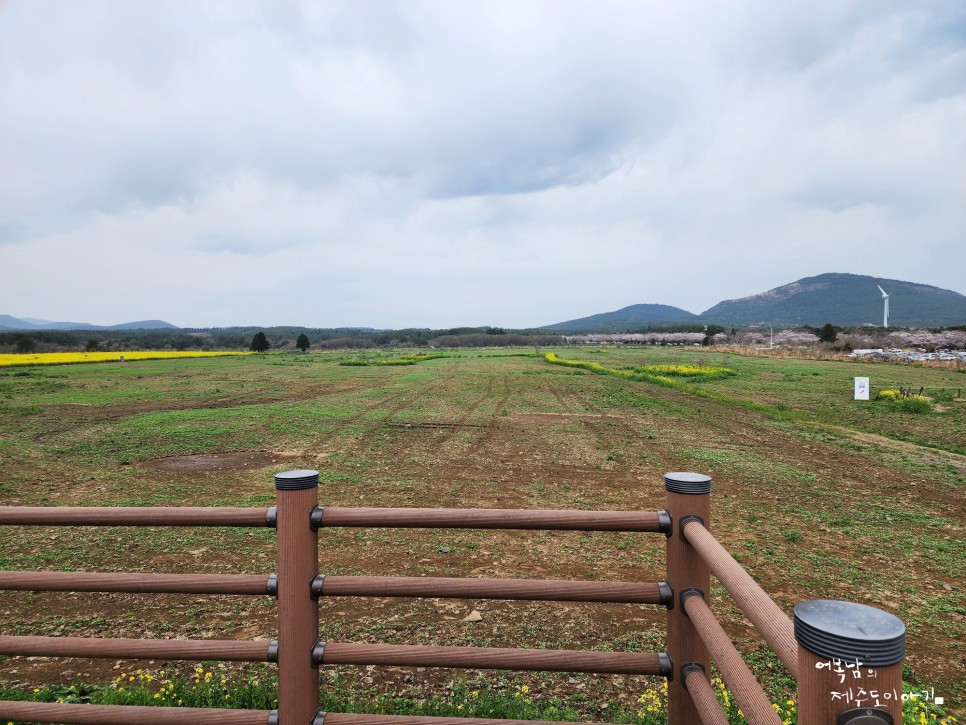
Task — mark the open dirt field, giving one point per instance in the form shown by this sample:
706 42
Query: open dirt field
818 496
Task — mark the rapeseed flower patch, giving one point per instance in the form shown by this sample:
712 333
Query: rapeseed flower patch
904 401
667 375
70 358
888 394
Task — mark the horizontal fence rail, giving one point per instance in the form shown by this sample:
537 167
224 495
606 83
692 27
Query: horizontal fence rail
47 712
694 638
143 649
133 583
736 674
136 715
533 519
773 624
561 590
491 658
137 516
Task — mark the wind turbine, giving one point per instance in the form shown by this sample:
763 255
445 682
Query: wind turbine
885 308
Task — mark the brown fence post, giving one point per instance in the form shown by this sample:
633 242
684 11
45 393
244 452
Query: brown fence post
298 613
850 663
686 495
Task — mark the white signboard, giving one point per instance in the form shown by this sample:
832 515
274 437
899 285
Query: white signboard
861 388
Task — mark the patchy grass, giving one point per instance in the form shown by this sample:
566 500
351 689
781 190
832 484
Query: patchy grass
403 360
818 495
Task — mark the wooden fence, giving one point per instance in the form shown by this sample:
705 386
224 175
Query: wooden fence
846 657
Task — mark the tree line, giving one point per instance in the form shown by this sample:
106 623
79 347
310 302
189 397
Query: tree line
301 338
274 338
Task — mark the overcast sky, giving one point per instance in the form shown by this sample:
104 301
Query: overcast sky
433 164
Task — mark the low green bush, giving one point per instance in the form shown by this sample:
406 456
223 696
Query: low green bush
900 400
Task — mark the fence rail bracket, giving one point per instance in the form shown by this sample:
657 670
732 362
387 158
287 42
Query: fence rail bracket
315 518
667 667
685 521
667 594
688 669
687 594
318 653
664 523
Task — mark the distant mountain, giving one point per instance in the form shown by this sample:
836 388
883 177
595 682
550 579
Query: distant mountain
144 325
846 300
30 323
13 323
633 317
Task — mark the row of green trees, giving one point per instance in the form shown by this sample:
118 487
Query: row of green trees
243 338
260 343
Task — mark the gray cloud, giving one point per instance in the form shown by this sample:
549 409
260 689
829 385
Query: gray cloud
436 164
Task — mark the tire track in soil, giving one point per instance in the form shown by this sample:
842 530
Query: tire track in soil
725 427
734 429
600 427
394 403
731 428
460 422
490 429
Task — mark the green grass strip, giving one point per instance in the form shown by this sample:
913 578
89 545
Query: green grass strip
213 686
404 360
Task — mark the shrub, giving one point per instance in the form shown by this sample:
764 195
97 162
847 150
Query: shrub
905 402
915 404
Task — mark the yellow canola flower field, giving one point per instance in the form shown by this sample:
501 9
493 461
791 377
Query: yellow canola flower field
67 358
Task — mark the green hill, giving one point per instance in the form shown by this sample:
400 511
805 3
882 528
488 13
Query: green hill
846 300
626 319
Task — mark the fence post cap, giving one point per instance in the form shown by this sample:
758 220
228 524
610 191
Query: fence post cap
687 482
296 480
850 631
